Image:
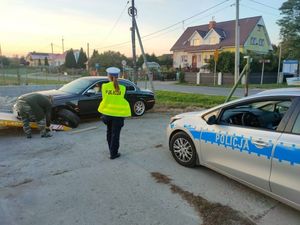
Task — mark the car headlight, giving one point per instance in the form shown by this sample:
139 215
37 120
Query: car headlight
15 111
174 118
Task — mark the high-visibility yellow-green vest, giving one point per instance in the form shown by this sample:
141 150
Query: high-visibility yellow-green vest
113 102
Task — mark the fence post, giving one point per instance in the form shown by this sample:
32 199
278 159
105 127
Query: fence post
19 76
198 77
220 76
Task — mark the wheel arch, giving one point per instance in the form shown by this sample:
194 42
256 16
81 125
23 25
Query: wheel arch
176 131
59 107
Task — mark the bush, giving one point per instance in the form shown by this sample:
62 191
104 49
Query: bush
169 75
181 77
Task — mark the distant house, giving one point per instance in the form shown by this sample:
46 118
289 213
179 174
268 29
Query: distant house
38 58
57 59
197 44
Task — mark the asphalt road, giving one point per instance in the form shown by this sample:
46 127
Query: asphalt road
14 91
69 179
172 86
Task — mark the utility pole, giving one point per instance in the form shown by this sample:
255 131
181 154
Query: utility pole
279 64
1 63
237 43
63 47
52 48
132 12
150 75
88 56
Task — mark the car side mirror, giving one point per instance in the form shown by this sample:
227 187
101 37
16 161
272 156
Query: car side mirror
129 88
212 120
91 92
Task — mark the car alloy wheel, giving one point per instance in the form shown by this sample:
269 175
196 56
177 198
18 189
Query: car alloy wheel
183 149
139 108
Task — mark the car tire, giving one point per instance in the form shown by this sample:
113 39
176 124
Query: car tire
138 108
183 149
68 118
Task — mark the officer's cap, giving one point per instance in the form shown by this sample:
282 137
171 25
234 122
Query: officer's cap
113 71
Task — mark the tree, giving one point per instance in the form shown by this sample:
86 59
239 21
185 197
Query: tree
150 58
225 63
82 59
166 60
290 29
4 61
70 61
107 59
46 61
23 61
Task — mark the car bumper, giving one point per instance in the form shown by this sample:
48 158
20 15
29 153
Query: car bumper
150 104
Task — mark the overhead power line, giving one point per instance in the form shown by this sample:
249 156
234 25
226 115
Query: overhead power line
166 28
271 7
182 21
177 28
117 21
245 6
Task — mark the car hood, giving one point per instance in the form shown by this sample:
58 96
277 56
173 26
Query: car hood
147 91
191 114
56 94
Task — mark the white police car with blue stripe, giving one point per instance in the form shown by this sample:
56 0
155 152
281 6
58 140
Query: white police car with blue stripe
254 140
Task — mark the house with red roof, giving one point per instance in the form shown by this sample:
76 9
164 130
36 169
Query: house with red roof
197 44
39 58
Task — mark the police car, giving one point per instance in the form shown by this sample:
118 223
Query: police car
254 140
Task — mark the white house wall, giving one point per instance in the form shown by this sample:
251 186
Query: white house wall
196 36
212 38
177 59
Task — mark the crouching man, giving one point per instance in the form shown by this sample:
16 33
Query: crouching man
35 107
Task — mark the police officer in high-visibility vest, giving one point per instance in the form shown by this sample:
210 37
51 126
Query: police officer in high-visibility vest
114 108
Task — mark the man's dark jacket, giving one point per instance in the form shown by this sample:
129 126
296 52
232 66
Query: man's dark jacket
40 105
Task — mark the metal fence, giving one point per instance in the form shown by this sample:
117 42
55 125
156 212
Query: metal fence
29 76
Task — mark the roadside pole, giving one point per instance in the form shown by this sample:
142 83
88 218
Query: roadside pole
239 78
133 12
262 72
216 57
123 67
237 43
88 56
279 64
247 76
150 75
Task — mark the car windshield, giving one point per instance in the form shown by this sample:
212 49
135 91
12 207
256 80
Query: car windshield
76 86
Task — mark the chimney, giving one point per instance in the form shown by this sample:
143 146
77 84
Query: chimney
212 24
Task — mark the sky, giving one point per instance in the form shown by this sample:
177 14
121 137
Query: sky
32 25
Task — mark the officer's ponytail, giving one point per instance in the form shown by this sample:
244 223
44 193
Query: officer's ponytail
116 83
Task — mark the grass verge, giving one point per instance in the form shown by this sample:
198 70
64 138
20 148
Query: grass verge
170 99
258 86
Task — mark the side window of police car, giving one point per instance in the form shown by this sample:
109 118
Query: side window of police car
296 127
262 114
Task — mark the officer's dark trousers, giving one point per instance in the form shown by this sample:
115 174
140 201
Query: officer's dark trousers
114 126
